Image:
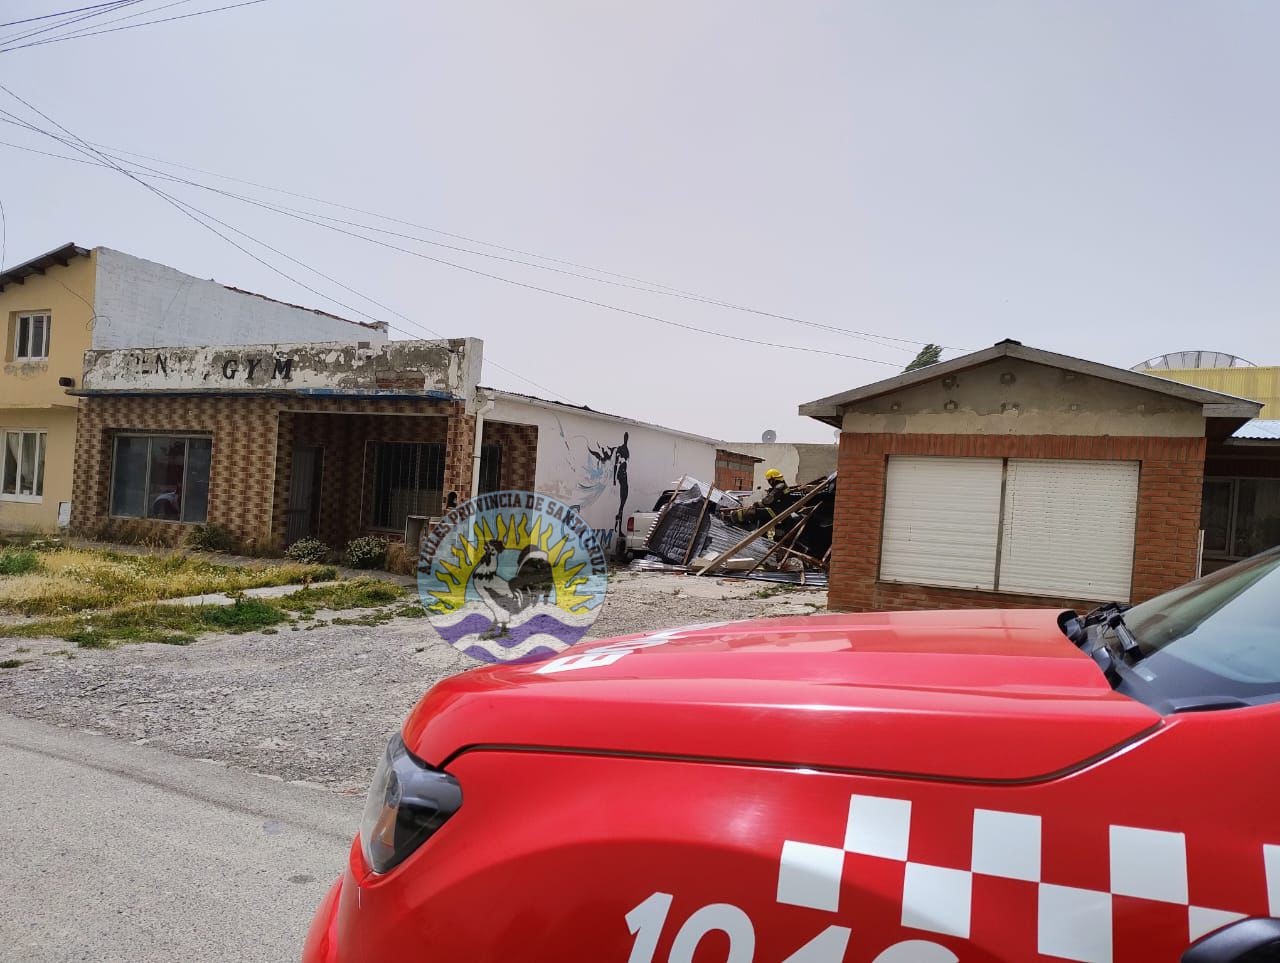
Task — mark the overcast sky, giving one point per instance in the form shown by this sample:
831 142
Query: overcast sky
1097 178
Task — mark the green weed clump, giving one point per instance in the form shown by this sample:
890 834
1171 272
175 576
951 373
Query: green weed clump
213 538
310 550
166 624
364 593
369 551
18 561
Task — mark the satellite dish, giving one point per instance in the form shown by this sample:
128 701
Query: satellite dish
1193 359
769 436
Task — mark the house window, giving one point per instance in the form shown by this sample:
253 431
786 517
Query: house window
490 468
22 474
1032 526
31 337
164 477
1240 516
408 479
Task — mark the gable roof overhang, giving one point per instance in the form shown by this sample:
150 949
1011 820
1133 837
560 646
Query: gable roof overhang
58 257
1214 404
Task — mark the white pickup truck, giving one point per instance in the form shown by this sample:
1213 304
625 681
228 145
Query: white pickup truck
640 525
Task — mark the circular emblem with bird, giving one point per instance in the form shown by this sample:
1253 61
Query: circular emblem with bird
511 576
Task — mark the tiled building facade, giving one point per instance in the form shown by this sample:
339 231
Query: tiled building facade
335 440
253 438
517 454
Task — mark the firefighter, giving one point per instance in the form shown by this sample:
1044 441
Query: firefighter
775 500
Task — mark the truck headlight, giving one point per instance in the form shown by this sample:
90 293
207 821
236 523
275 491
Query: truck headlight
407 803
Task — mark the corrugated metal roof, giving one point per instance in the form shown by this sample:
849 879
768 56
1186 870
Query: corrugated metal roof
1260 429
516 396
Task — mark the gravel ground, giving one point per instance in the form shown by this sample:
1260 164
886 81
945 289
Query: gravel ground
314 705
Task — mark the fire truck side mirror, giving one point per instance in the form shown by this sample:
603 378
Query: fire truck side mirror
1255 940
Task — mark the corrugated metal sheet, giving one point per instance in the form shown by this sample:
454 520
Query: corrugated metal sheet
1260 429
670 537
1068 528
1258 384
941 521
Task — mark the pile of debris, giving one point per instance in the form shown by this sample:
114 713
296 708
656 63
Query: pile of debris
693 533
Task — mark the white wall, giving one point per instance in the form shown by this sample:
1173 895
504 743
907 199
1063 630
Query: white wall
799 463
142 304
567 471
431 367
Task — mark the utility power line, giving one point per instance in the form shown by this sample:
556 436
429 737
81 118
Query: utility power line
132 26
60 13
96 12
644 286
196 215
452 247
129 16
506 280
673 291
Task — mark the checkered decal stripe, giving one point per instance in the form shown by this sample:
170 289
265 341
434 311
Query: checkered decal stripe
1071 923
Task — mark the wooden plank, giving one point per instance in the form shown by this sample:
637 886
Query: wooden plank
786 513
791 536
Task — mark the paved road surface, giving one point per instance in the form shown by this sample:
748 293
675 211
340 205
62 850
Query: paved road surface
111 851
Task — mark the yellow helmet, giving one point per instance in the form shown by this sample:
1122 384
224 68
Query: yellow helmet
773 475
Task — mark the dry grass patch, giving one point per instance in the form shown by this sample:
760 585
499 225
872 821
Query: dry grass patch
181 624
75 580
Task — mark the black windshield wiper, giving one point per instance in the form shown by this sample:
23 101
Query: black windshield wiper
1130 651
1076 628
1088 634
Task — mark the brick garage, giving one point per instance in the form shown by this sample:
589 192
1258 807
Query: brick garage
1171 473
252 441
1123 453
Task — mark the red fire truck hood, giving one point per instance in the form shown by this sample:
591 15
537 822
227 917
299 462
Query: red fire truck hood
990 695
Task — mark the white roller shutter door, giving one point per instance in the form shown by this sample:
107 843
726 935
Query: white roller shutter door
1068 528
941 521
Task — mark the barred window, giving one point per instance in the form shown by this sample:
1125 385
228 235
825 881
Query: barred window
408 479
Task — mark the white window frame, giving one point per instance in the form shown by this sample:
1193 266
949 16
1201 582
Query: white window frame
42 450
146 496
28 316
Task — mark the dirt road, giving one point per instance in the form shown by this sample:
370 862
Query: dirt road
315 704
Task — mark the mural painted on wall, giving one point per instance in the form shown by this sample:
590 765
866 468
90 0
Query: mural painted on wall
614 462
600 472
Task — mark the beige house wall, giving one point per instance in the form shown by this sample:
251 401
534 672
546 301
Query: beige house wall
30 397
1014 397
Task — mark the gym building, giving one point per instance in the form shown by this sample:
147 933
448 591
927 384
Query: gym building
334 440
